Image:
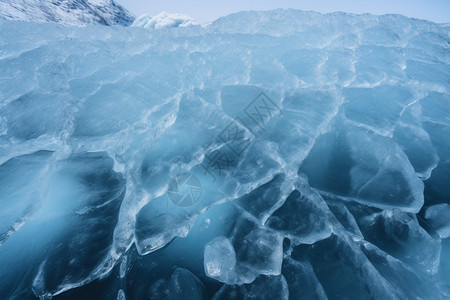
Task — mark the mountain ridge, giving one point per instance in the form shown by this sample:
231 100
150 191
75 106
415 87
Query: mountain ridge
67 12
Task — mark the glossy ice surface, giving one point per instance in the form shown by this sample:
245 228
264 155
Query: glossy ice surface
280 154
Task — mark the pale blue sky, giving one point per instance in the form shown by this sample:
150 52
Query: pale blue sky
208 10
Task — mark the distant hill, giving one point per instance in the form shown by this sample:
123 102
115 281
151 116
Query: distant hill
66 12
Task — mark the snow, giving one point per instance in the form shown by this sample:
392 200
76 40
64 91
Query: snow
69 13
164 20
313 147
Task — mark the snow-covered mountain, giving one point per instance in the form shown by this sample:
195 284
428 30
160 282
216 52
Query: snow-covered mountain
67 12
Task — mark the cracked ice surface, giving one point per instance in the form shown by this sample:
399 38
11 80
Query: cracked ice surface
314 149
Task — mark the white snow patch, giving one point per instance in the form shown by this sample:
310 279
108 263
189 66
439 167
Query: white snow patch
164 20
